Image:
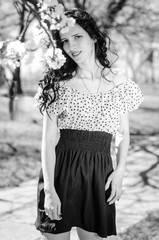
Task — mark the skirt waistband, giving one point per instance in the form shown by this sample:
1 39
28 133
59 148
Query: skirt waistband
87 140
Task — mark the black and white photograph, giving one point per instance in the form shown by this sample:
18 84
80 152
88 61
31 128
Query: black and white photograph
79 120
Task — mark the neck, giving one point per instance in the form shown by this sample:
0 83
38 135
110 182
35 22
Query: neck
91 70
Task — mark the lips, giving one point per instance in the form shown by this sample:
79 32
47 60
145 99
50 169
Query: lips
76 54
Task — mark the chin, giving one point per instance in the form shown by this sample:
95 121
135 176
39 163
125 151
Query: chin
81 60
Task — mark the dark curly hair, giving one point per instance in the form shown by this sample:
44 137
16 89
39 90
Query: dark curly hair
53 77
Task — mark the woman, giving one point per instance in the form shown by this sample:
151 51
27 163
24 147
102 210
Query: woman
85 103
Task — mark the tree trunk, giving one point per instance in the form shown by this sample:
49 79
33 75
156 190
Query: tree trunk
151 63
12 92
14 89
17 79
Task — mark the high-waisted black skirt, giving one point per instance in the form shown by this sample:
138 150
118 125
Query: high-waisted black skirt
83 164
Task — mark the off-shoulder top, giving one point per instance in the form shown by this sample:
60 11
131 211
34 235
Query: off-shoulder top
94 112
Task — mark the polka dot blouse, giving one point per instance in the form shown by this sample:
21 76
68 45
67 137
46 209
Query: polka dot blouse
95 112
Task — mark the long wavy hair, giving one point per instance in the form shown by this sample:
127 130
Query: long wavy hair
53 77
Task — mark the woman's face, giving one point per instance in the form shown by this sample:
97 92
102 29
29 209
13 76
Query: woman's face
78 44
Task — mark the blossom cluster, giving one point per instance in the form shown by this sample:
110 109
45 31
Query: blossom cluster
51 17
12 52
50 54
57 61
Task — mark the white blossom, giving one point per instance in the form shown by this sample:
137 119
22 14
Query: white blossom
63 21
59 9
13 63
69 22
54 58
55 16
15 49
30 45
12 53
46 4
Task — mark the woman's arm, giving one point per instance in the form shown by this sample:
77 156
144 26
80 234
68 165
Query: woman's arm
123 145
49 140
49 135
115 179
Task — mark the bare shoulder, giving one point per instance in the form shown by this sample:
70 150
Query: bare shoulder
119 77
62 83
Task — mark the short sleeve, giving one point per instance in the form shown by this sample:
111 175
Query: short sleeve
58 106
131 96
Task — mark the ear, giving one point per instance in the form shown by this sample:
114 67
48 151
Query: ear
94 40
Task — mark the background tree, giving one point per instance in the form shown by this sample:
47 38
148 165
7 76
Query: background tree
23 19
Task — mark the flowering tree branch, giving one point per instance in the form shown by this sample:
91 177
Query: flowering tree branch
50 16
36 14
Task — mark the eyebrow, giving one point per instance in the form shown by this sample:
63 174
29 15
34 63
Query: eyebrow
72 35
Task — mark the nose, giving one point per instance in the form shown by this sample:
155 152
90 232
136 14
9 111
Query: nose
72 46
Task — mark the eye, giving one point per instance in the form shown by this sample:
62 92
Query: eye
64 41
78 36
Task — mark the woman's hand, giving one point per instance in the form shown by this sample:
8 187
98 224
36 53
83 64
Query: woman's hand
52 205
115 181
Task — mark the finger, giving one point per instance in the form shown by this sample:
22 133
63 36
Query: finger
49 212
107 185
113 200
55 214
59 214
116 197
119 195
112 195
59 209
46 211
51 215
